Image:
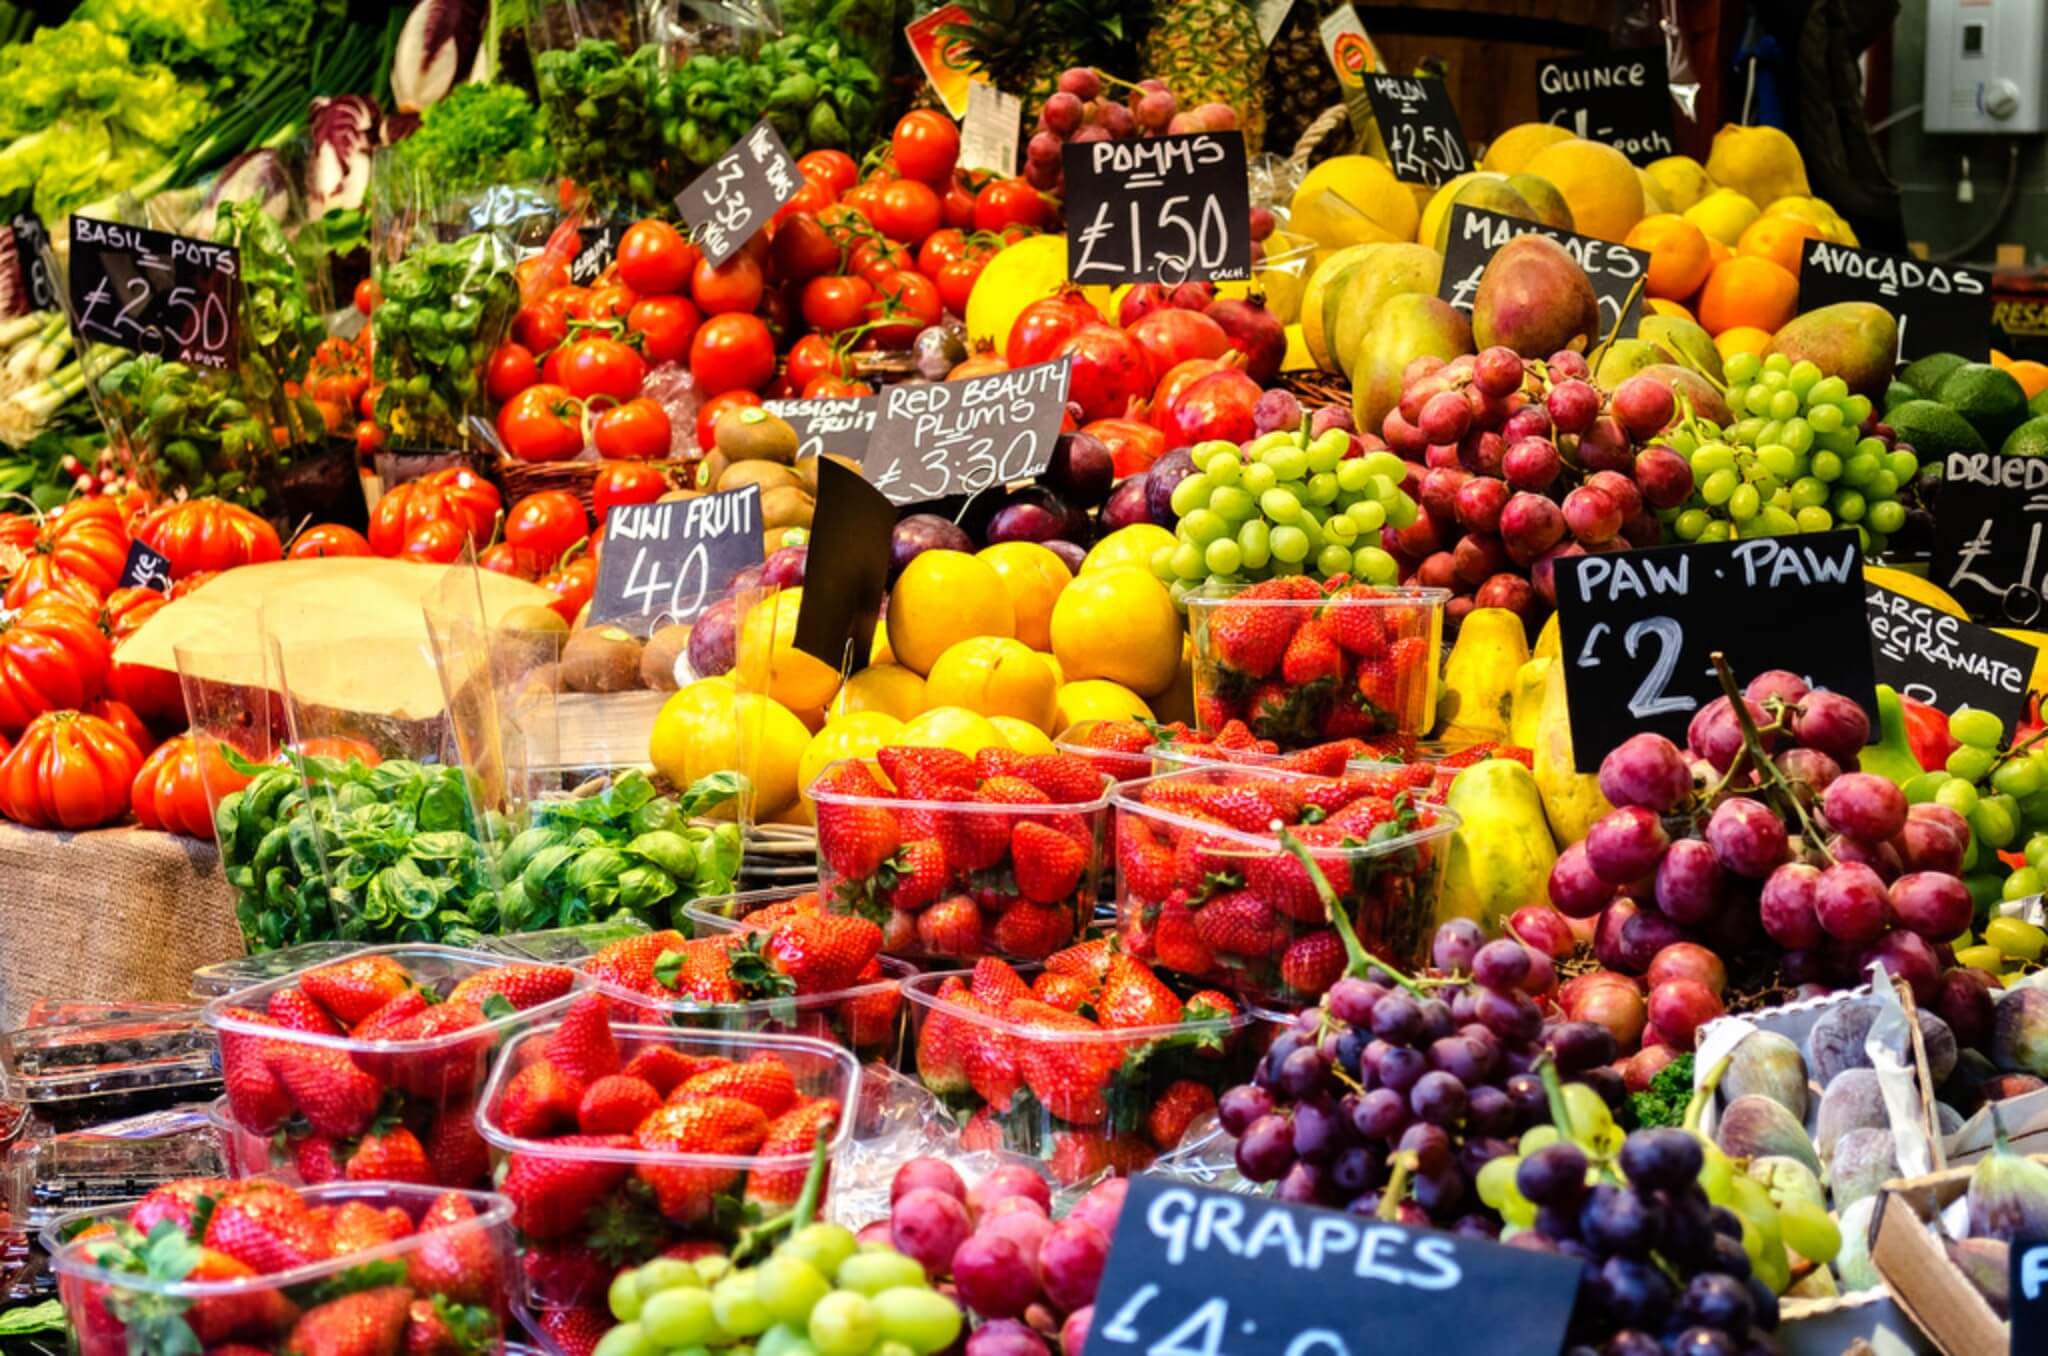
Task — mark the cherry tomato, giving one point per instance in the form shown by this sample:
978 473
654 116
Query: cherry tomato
813 196
626 482
835 169
908 301
542 423
368 294
367 406
940 248
834 303
925 145
958 204
908 211
1008 202
328 539
714 409
546 523
511 370
734 285
731 351
635 431
540 326
864 197
611 302
573 300
802 249
504 558
599 366
654 259
665 326
438 541
873 262
813 356
844 223
956 283
369 437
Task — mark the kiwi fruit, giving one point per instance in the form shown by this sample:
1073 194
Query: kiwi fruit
767 474
532 617
848 462
786 506
677 496
601 659
807 475
709 468
753 434
658 658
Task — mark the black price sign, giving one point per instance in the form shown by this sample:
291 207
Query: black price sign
155 292
1425 142
846 571
836 427
1941 308
31 253
1988 549
144 568
1616 271
667 562
1938 658
2028 1296
1639 629
597 243
1620 98
1194 1272
729 203
1158 209
960 437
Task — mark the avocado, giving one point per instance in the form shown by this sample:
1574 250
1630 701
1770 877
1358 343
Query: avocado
2029 439
2039 404
1898 393
1925 373
1989 398
1933 429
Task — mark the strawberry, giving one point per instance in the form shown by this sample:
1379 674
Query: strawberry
723 1126
259 1313
868 1016
989 1055
1048 864
1209 1005
358 1226
1312 656
920 868
1146 864
1031 931
666 1068
266 1225
1236 736
701 970
994 762
951 927
1213 709
629 964
1069 993
806 902
942 1042
1067 780
1132 996
523 986
1377 690
918 773
1087 960
395 1155
1248 640
1362 816
551 1191
978 839
1357 623
316 1159
1181 1104
854 839
822 952
434 1327
454 1259
1239 923
615 1105
356 986
1333 794
575 1332
1079 1156
790 1135
293 1010
259 1101
334 1096
539 1101
1327 759
582 1046
1176 942
1282 881
1204 861
1312 962
762 1081
1252 807
1120 736
379 1024
365 1323
983 1133
456 1152
995 983
1412 660
1068 1076
563 1275
439 1069
1011 791
175 1201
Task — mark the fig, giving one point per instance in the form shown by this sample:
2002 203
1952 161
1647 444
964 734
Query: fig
1864 1160
2008 1192
1940 1043
1766 1064
1757 1127
1854 1101
1788 1180
1987 1264
1964 1002
1965 1089
1837 1039
2019 1032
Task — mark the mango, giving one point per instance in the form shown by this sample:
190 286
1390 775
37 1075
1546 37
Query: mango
1479 677
1688 343
1406 327
1487 192
1624 358
1571 799
1692 388
1319 300
1535 299
1544 200
1389 271
1857 341
1501 855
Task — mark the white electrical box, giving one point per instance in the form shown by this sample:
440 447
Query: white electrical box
1987 66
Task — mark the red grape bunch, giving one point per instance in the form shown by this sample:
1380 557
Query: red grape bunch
1083 109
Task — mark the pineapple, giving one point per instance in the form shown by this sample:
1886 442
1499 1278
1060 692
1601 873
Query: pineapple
1208 51
1300 85
1023 45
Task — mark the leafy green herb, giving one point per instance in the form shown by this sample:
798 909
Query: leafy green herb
595 100
1665 1100
446 306
479 134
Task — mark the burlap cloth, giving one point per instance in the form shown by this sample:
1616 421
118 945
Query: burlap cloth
111 913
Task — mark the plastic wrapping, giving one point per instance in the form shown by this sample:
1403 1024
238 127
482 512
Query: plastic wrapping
600 66
108 1063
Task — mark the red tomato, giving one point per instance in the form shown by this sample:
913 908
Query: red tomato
174 790
626 482
714 409
908 211
457 494
53 656
654 259
835 303
611 302
876 262
940 248
547 523
732 351
328 539
908 301
542 423
635 431
1009 202
863 197
505 559
574 301
665 326
511 370
803 249
599 366
70 771
813 195
534 282
734 285
368 295
956 283
369 437
208 534
925 145
572 584
540 326
434 543
829 387
835 169
958 204
813 356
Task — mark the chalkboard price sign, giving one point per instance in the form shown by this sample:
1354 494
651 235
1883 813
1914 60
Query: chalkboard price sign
728 204
1639 629
1620 98
846 570
1989 551
1616 271
1159 209
145 568
1193 1271
1941 308
667 562
155 292
30 244
1938 658
1420 125
960 437
839 427
597 244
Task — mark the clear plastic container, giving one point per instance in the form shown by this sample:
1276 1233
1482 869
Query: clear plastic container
1083 1101
264 1313
698 1187
1239 647
243 972
1389 886
432 1081
100 1063
108 1164
980 870
563 946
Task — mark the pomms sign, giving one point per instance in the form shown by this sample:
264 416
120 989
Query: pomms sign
1159 209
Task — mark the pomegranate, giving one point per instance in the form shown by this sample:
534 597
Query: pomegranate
1192 296
1254 331
1044 325
1141 301
1133 442
1111 369
1171 336
1218 405
1182 375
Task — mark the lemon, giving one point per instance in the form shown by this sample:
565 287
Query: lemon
888 688
1033 576
1098 699
1022 735
1513 149
770 662
1351 200
953 727
1030 270
1681 180
1178 701
1723 214
996 677
1118 624
943 597
771 743
858 734
1654 201
1762 162
1131 545
693 732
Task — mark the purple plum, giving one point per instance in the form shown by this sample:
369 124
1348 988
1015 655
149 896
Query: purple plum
1126 504
921 532
1081 470
1166 473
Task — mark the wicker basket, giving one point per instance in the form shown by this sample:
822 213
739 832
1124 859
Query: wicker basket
1331 122
521 478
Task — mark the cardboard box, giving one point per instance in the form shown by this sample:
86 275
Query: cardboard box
1915 1266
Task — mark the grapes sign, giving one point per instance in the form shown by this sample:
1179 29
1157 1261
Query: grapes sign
1425 142
1941 308
667 562
154 292
1194 1272
728 204
1938 658
1620 98
960 437
1616 271
1158 209
1989 546
1639 628
839 427
846 570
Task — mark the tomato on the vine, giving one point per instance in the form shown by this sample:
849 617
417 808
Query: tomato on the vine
572 583
368 295
731 351
803 249
546 523
597 365
716 408
635 431
874 262
925 145
829 387
907 301
542 423
813 195
611 302
540 326
369 437
835 169
940 248
574 300
626 482
654 259
504 558
908 211
864 197
957 205
956 282
835 303
438 542
1008 202
511 370
537 277
734 285
813 356
665 326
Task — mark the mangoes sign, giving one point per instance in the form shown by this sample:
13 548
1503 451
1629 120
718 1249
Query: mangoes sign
1620 98
1940 308
1616 271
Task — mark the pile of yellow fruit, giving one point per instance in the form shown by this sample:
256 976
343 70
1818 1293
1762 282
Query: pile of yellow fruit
1005 647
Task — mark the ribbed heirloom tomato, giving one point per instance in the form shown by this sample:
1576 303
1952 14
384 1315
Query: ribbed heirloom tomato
208 534
323 540
82 546
457 494
175 789
127 609
53 656
69 771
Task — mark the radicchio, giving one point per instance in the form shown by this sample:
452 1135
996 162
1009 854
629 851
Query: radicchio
437 48
344 131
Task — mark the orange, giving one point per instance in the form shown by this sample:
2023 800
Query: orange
1664 306
1782 240
1679 261
2000 361
1748 291
1718 251
1741 339
2032 376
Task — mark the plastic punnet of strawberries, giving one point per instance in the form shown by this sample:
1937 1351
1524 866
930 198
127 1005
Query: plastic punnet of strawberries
1129 749
1303 662
1092 1062
620 1142
790 966
958 856
255 1266
367 1069
1204 889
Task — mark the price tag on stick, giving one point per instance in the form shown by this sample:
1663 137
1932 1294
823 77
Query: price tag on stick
1991 536
155 292
1941 308
728 204
1194 1271
145 568
667 562
1158 209
31 246
958 437
596 244
1419 124
838 427
1638 629
1938 658
846 570
1616 271
988 134
1620 98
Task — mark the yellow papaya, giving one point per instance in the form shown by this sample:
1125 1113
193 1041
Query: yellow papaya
1571 799
1501 854
1525 715
1479 677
